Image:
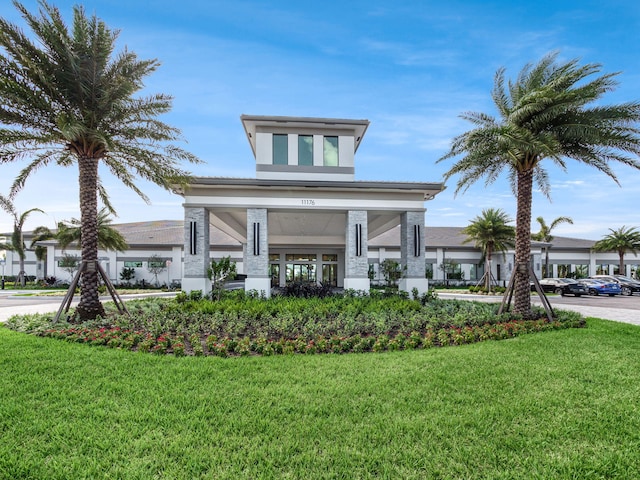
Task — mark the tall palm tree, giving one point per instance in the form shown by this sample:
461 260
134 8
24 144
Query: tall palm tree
108 237
544 235
490 232
621 240
66 98
17 238
545 114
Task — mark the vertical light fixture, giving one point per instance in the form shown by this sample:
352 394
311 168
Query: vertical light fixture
416 240
358 239
193 238
256 238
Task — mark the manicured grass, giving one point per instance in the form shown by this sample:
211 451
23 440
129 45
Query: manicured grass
560 404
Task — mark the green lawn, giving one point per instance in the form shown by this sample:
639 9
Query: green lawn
552 405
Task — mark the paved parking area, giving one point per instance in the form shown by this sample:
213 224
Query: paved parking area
618 308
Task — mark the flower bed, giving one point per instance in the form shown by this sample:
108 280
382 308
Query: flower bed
241 325
180 344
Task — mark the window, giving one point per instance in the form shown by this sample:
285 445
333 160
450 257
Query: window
280 149
274 269
301 257
330 151
305 150
330 269
133 264
156 264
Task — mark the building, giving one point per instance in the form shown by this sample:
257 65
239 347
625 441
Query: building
305 217
164 241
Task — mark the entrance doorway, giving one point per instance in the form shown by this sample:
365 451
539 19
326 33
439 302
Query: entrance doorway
300 267
304 267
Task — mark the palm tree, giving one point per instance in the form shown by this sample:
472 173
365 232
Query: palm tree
41 234
17 238
490 232
66 98
621 240
544 235
543 115
108 237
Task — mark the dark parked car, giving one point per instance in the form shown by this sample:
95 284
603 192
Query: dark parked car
564 286
601 287
628 285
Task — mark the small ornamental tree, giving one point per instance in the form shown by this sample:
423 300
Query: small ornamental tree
127 274
70 264
449 267
156 265
392 272
219 273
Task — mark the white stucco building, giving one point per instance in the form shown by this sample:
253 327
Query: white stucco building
304 216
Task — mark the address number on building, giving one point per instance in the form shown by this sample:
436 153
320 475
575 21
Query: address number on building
308 202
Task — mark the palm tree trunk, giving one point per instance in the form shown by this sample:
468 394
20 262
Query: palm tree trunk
89 307
488 272
22 274
522 290
546 262
621 256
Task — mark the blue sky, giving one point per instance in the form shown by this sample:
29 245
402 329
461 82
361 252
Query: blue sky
409 67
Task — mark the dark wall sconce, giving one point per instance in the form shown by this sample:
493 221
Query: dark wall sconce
416 241
358 239
193 238
256 238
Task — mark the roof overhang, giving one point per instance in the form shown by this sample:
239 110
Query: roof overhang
428 190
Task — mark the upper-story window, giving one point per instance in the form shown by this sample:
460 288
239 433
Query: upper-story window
280 149
330 151
305 150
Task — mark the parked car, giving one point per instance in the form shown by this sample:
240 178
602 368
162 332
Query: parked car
601 287
628 285
564 286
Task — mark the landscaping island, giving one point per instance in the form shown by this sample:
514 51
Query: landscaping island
241 324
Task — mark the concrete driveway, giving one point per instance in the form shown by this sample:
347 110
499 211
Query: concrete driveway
12 302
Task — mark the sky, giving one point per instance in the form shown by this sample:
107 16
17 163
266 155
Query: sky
409 67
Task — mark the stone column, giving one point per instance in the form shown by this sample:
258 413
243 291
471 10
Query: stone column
256 252
196 250
412 253
356 258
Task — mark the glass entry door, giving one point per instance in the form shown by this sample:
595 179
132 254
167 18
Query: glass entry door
300 268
